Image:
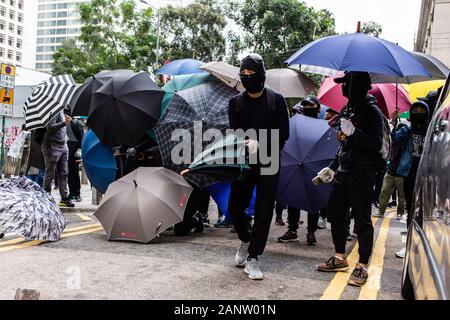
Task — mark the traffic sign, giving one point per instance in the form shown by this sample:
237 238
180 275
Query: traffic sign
8 76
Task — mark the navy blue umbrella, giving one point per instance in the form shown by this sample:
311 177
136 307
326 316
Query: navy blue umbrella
359 52
311 146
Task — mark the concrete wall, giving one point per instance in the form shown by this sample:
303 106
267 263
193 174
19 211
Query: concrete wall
439 38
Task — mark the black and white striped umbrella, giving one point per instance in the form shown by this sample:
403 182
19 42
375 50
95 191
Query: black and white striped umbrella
47 100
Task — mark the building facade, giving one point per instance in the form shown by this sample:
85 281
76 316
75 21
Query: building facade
12 31
433 36
57 21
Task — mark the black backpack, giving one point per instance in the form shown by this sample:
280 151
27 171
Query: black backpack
271 101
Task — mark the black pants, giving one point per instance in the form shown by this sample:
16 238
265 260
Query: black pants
241 194
195 203
74 171
408 186
279 210
294 219
379 179
352 190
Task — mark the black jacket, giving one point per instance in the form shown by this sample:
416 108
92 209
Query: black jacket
361 151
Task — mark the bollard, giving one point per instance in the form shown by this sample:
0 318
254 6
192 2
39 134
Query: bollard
96 196
84 179
27 294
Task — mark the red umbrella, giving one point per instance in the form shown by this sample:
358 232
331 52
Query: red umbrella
330 94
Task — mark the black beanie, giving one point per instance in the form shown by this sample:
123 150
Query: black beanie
254 63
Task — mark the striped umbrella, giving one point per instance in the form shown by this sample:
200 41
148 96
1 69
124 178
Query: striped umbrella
47 100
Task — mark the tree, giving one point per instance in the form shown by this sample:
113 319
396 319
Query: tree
114 35
371 28
277 28
195 31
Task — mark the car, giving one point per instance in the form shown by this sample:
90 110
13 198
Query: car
426 267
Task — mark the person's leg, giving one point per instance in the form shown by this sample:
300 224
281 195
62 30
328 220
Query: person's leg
279 211
50 167
359 188
313 219
240 196
399 183
386 191
63 172
293 219
265 199
73 173
408 187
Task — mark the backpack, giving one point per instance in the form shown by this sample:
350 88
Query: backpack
386 147
271 101
39 135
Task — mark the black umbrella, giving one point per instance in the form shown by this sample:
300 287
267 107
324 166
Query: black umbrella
125 107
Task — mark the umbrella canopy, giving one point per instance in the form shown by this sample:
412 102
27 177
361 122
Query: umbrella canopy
125 107
359 52
206 105
143 204
330 93
98 162
81 100
47 100
421 89
179 67
225 72
311 146
29 211
220 192
289 83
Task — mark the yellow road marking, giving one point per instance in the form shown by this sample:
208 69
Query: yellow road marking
370 290
84 217
22 245
68 230
10 242
81 232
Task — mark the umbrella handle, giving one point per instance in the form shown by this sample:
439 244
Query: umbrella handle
157 228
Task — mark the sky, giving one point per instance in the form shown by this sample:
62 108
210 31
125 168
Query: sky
399 18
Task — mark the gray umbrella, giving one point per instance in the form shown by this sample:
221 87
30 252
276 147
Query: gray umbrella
289 83
206 104
141 205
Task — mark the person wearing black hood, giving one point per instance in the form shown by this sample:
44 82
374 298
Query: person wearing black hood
256 108
412 139
352 174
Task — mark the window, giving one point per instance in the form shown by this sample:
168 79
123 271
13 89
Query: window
2 38
20 17
19 43
10 41
2 52
10 54
19 30
18 57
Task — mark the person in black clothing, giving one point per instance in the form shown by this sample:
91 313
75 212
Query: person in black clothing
75 133
310 108
353 174
256 108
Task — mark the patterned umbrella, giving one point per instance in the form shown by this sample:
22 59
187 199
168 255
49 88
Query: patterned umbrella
207 106
25 208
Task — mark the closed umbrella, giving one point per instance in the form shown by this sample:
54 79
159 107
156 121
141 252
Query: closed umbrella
388 98
141 205
289 83
29 211
311 146
182 66
98 162
204 106
47 100
225 72
125 107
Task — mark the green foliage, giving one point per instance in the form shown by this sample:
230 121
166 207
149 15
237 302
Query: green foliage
371 28
195 31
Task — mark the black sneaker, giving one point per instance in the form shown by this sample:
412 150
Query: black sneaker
199 226
66 203
2 235
392 204
311 239
289 236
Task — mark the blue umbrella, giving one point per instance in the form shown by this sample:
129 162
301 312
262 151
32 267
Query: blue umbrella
220 192
359 52
311 146
183 66
98 162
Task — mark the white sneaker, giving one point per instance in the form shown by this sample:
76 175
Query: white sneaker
241 255
401 254
321 223
253 270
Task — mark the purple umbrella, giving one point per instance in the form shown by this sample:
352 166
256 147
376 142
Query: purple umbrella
311 146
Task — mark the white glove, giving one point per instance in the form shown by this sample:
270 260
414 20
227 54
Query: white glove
252 146
326 175
347 127
132 152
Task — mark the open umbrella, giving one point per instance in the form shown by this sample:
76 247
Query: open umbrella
98 162
227 73
143 204
201 108
47 100
183 66
330 94
289 83
421 89
29 211
359 52
311 146
125 107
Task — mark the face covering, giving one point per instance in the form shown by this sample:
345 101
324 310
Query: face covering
418 121
311 112
253 83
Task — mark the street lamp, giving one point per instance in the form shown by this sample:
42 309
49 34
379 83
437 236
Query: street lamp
158 32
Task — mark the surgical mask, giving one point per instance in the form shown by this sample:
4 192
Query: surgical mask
253 83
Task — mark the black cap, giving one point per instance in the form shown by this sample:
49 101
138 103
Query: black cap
313 100
361 77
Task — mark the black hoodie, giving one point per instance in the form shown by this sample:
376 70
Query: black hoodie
361 151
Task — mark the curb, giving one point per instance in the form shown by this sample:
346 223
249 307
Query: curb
77 210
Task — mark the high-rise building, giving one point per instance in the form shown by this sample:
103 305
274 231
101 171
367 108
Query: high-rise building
58 20
11 31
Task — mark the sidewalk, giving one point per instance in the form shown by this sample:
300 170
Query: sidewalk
84 206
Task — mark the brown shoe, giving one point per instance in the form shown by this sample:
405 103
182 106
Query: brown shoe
359 277
334 265
279 222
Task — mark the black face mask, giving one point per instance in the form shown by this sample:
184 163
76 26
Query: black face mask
311 112
418 121
253 83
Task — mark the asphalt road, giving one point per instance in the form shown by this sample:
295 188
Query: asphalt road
83 265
